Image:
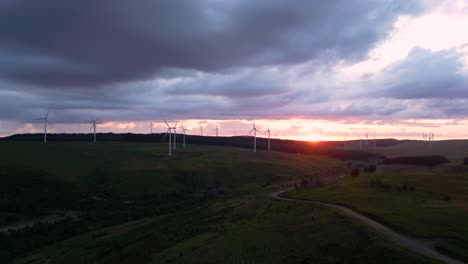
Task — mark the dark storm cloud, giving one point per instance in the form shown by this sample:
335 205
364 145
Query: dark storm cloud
92 43
426 74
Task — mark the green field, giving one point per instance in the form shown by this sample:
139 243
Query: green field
430 203
203 205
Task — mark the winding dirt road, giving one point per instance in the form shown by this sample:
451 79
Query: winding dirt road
411 243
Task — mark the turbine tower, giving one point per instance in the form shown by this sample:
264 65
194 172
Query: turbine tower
46 121
93 126
268 132
174 128
254 129
374 141
217 129
151 126
367 139
183 133
169 132
201 130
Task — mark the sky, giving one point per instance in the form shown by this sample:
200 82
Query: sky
309 70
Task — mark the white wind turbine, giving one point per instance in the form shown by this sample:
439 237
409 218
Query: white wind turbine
46 121
268 132
183 133
93 126
254 129
367 139
201 130
174 128
169 132
374 141
151 124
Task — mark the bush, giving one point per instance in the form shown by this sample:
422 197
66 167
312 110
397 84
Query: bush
418 160
465 161
355 172
370 168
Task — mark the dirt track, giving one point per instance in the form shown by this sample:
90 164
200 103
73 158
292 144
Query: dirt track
414 244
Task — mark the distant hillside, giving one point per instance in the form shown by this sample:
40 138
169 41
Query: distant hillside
328 148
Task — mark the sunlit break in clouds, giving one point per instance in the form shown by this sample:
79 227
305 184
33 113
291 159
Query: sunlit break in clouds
311 70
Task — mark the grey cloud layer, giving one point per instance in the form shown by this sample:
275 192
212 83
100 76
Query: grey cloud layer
139 60
426 74
93 43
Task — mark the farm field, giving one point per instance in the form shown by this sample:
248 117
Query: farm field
135 204
425 202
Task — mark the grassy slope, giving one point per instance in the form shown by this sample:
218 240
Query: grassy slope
243 226
422 213
248 229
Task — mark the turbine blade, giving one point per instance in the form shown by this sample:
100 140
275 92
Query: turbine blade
165 135
166 123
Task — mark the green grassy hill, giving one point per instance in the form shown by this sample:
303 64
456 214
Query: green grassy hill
431 203
134 204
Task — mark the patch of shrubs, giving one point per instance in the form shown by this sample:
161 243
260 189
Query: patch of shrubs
378 184
445 197
418 160
465 161
355 172
370 168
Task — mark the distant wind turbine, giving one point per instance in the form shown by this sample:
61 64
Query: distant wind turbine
217 129
46 121
169 132
201 130
93 126
183 133
374 141
151 126
175 134
268 132
254 130
367 139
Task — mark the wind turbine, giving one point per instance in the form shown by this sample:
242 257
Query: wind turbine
367 139
183 133
268 131
46 121
201 130
254 129
174 128
93 126
151 126
374 141
169 132
217 129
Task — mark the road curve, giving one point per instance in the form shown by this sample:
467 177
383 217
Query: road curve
408 242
